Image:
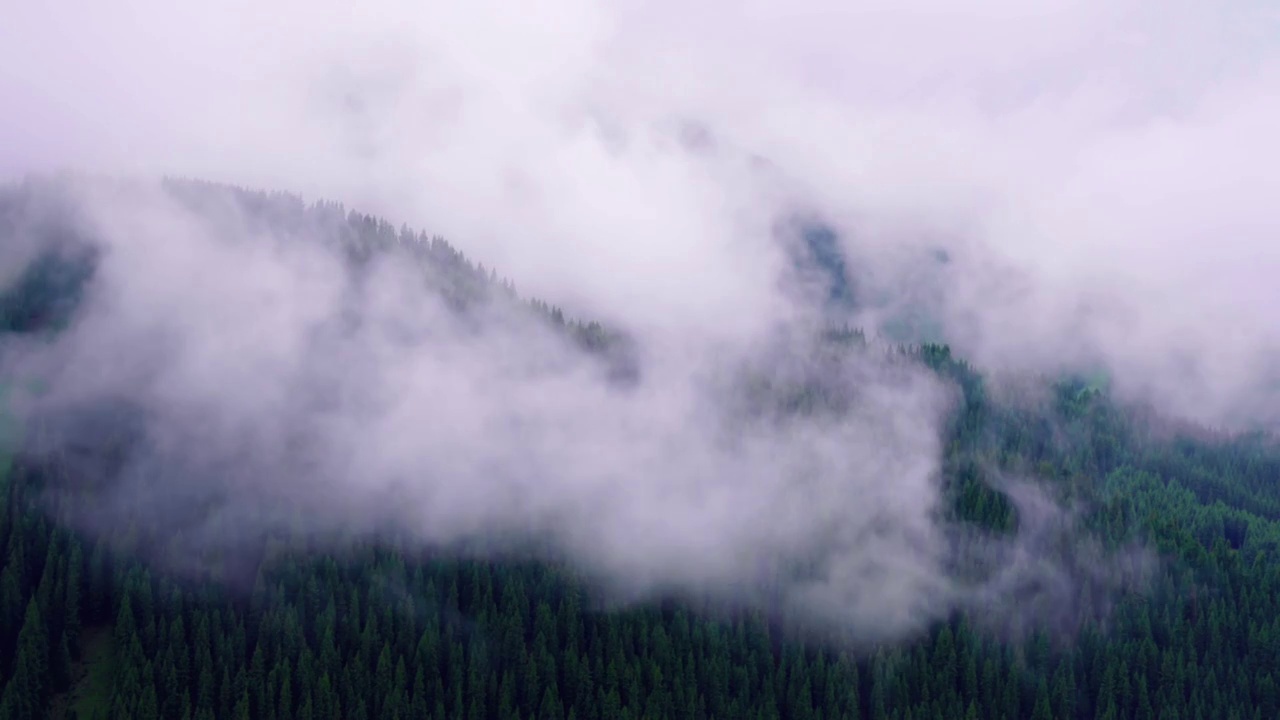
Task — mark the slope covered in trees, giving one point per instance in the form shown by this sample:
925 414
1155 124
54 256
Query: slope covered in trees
90 628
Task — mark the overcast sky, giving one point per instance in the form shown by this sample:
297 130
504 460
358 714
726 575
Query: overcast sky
1104 171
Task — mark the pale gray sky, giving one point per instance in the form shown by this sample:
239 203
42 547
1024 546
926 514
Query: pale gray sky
1111 153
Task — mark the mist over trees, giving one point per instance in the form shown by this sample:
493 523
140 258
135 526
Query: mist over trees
801 360
1093 561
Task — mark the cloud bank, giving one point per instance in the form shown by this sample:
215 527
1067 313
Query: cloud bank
1078 185
228 376
1100 173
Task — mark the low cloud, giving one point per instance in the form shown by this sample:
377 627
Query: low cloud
229 374
1100 173
1083 186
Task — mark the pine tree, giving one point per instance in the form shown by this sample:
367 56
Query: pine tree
26 693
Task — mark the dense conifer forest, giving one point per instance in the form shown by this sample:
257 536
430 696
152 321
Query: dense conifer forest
91 628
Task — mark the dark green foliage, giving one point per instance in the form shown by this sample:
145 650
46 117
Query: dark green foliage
47 293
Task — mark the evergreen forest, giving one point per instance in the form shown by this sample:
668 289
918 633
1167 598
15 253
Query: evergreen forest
94 627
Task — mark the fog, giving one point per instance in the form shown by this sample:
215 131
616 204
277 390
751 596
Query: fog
1100 171
223 378
1097 175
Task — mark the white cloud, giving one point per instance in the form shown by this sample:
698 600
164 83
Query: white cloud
1101 174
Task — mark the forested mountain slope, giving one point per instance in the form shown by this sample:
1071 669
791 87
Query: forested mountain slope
96 623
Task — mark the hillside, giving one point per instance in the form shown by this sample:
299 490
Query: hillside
1105 566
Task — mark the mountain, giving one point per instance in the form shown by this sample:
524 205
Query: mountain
1153 596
